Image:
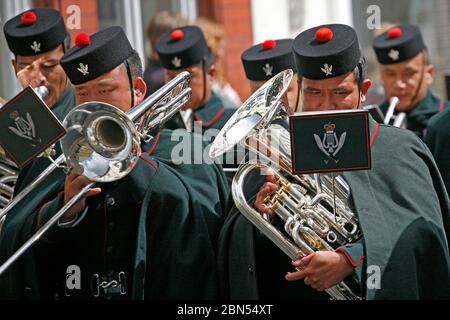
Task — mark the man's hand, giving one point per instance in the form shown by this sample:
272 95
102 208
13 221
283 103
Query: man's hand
72 186
267 189
321 270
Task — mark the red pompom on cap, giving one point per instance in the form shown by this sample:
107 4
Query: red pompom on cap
269 44
177 35
82 40
324 34
394 33
28 18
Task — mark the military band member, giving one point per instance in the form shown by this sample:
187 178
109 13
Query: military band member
154 232
215 38
407 73
154 74
264 60
38 39
185 49
401 203
261 62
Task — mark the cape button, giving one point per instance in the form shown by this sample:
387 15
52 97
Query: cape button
110 201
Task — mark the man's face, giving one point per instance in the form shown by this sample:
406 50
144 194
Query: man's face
197 85
112 87
406 79
336 93
43 70
290 99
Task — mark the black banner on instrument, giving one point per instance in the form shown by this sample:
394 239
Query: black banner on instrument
28 127
330 141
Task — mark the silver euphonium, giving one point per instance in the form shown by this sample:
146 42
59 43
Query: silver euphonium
314 208
396 120
103 144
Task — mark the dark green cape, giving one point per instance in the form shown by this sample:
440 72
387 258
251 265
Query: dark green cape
438 140
208 179
177 232
417 119
213 115
403 211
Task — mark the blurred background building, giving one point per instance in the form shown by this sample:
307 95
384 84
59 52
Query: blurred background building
244 22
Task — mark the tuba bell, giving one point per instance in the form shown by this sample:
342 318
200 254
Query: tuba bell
314 208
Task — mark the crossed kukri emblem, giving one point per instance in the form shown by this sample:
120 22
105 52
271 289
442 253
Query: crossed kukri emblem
24 127
330 145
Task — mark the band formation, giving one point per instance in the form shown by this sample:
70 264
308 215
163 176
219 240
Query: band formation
163 187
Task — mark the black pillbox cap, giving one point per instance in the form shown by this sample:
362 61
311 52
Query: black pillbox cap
398 44
264 60
101 53
326 51
182 47
35 32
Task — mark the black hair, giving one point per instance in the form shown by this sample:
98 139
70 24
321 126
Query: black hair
135 65
66 43
360 71
209 59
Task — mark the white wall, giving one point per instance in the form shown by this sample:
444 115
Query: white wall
133 26
327 11
9 86
270 19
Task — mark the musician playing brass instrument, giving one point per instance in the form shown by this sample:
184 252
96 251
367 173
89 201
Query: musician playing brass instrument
264 60
149 235
185 49
407 73
38 39
401 203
